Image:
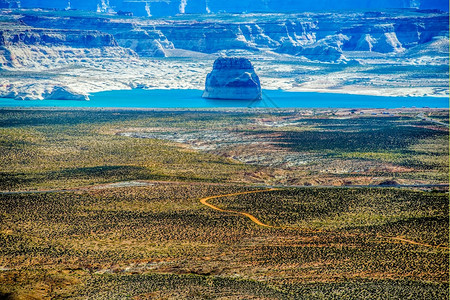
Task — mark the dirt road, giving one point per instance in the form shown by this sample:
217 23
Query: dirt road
205 200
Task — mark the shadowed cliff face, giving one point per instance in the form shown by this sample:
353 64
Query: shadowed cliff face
232 78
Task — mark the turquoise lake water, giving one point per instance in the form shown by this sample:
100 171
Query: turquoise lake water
192 99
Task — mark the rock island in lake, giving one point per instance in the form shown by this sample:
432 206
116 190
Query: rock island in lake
232 78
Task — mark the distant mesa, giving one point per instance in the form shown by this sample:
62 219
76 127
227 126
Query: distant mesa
232 78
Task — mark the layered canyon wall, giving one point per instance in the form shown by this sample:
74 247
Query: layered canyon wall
316 36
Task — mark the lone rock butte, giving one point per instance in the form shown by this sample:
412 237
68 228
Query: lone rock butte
232 78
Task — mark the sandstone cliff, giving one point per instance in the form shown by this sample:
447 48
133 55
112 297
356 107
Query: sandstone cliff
232 78
31 47
316 36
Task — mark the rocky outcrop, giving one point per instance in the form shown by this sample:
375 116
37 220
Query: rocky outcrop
22 46
41 46
232 78
146 43
222 35
64 93
326 49
49 93
438 46
378 38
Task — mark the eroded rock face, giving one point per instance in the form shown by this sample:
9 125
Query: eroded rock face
64 93
232 78
316 36
36 92
146 43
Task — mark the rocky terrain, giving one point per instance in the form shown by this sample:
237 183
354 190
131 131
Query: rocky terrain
263 142
397 53
232 78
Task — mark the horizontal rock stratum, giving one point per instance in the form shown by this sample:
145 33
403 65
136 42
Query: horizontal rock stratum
232 78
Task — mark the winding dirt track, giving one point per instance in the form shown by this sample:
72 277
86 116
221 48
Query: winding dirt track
204 201
255 220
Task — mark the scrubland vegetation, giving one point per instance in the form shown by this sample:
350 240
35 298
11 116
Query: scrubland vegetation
67 149
159 241
97 240
62 149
